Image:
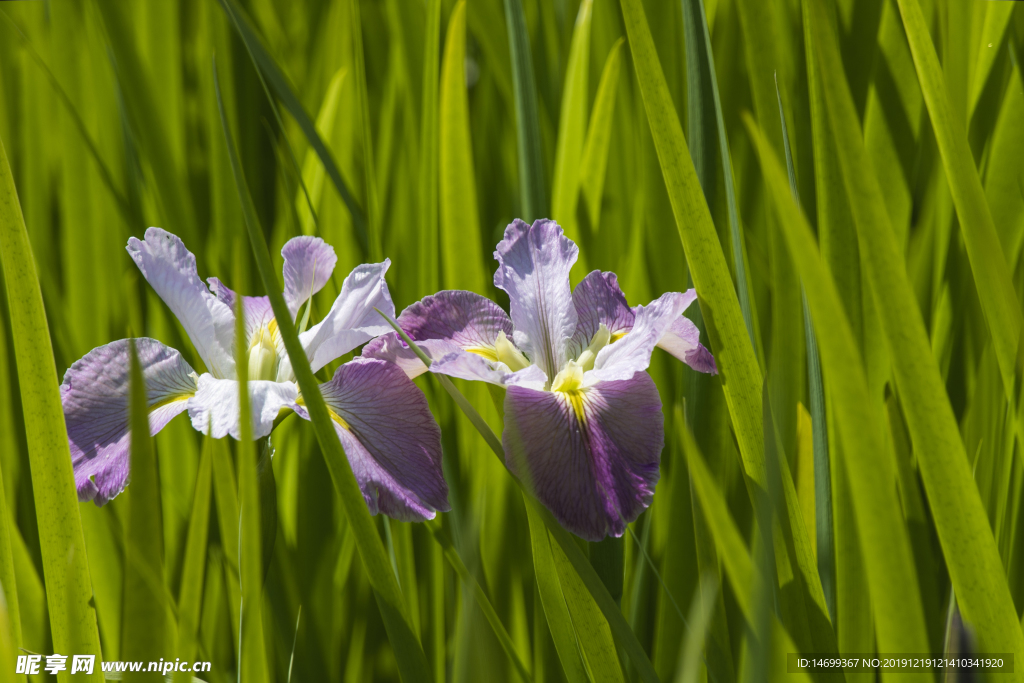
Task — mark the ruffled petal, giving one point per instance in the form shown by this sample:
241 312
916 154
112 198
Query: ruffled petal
95 395
473 367
170 269
534 263
214 408
632 353
390 439
599 301
681 339
440 324
592 457
352 319
308 264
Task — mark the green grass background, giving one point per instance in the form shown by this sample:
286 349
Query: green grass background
858 166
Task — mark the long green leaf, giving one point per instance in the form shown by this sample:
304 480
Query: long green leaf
533 196
968 545
730 338
594 163
412 663
145 632
429 154
997 20
460 223
65 567
373 221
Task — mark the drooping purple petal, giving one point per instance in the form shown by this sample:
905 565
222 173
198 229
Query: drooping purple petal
352 319
214 409
256 309
390 438
591 457
534 263
681 339
440 324
598 300
95 395
170 269
308 264
632 353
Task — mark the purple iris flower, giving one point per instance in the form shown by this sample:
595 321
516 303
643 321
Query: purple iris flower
583 422
382 418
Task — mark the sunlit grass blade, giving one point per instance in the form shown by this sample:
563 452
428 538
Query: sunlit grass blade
62 545
700 616
462 267
963 529
373 220
279 83
727 329
532 192
884 537
411 662
997 20
312 167
594 164
572 126
192 574
452 555
145 631
430 135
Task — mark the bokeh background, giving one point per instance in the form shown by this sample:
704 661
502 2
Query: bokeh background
890 471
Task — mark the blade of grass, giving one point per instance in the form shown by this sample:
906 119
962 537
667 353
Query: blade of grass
460 226
997 20
533 196
279 83
960 520
65 568
429 155
144 634
594 162
312 167
373 221
688 668
412 664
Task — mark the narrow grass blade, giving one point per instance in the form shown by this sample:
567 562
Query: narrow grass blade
412 664
703 100
997 20
373 221
429 154
884 537
594 164
62 545
8 581
968 545
572 126
460 224
452 555
690 657
727 329
312 167
533 196
192 579
279 83
144 634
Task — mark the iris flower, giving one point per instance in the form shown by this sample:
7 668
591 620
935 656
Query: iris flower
383 420
583 422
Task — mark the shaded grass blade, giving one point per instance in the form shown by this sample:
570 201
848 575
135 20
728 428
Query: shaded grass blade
594 163
412 663
429 155
62 545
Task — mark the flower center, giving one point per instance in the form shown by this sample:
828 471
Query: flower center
263 359
600 340
503 351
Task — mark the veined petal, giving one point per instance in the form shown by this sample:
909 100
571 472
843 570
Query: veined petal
215 405
474 367
534 263
390 439
632 353
440 324
598 300
352 319
170 269
681 339
95 395
308 264
591 456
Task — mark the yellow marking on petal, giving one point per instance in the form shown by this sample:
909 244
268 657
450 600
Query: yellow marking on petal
570 379
174 398
509 354
334 416
616 336
575 398
488 352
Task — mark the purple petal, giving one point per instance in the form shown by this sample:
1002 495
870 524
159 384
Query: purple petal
256 309
534 263
595 465
308 264
470 366
95 395
440 324
170 269
682 341
352 319
598 300
390 438
214 408
632 353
